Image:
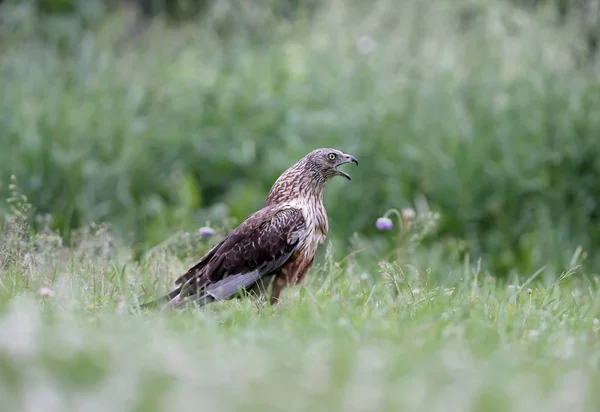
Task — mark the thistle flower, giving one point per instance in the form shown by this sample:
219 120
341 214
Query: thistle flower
384 223
206 231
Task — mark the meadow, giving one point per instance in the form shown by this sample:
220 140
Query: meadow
480 111
118 143
368 332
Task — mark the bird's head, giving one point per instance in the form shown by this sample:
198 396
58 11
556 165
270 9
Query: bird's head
308 176
327 161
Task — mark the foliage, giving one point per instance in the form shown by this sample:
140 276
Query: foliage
369 332
479 112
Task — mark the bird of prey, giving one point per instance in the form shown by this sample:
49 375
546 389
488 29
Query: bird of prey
275 246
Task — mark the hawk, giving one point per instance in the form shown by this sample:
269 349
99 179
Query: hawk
275 246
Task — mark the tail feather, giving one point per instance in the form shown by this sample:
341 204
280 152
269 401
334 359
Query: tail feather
223 289
174 300
161 300
200 300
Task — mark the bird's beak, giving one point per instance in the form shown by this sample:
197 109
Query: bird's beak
348 159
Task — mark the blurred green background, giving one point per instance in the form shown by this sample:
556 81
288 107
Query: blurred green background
157 116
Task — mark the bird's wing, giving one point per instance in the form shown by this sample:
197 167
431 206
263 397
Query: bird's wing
259 245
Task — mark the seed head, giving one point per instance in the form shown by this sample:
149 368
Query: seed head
408 215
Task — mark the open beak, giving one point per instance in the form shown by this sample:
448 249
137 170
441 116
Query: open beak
349 159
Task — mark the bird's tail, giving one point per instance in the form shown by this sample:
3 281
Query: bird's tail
161 301
199 299
173 300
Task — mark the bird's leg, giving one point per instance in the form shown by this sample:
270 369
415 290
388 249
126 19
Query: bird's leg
278 285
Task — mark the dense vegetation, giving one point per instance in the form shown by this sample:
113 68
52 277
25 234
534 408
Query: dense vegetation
369 332
488 115
121 136
483 110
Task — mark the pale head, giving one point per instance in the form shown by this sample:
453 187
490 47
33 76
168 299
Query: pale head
326 162
308 176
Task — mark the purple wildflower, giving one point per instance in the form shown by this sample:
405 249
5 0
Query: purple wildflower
384 223
206 231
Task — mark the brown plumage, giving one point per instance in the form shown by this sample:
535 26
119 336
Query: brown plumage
275 245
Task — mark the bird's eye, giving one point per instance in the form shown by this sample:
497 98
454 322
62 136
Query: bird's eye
331 156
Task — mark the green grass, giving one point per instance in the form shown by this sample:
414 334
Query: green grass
476 114
370 332
481 108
